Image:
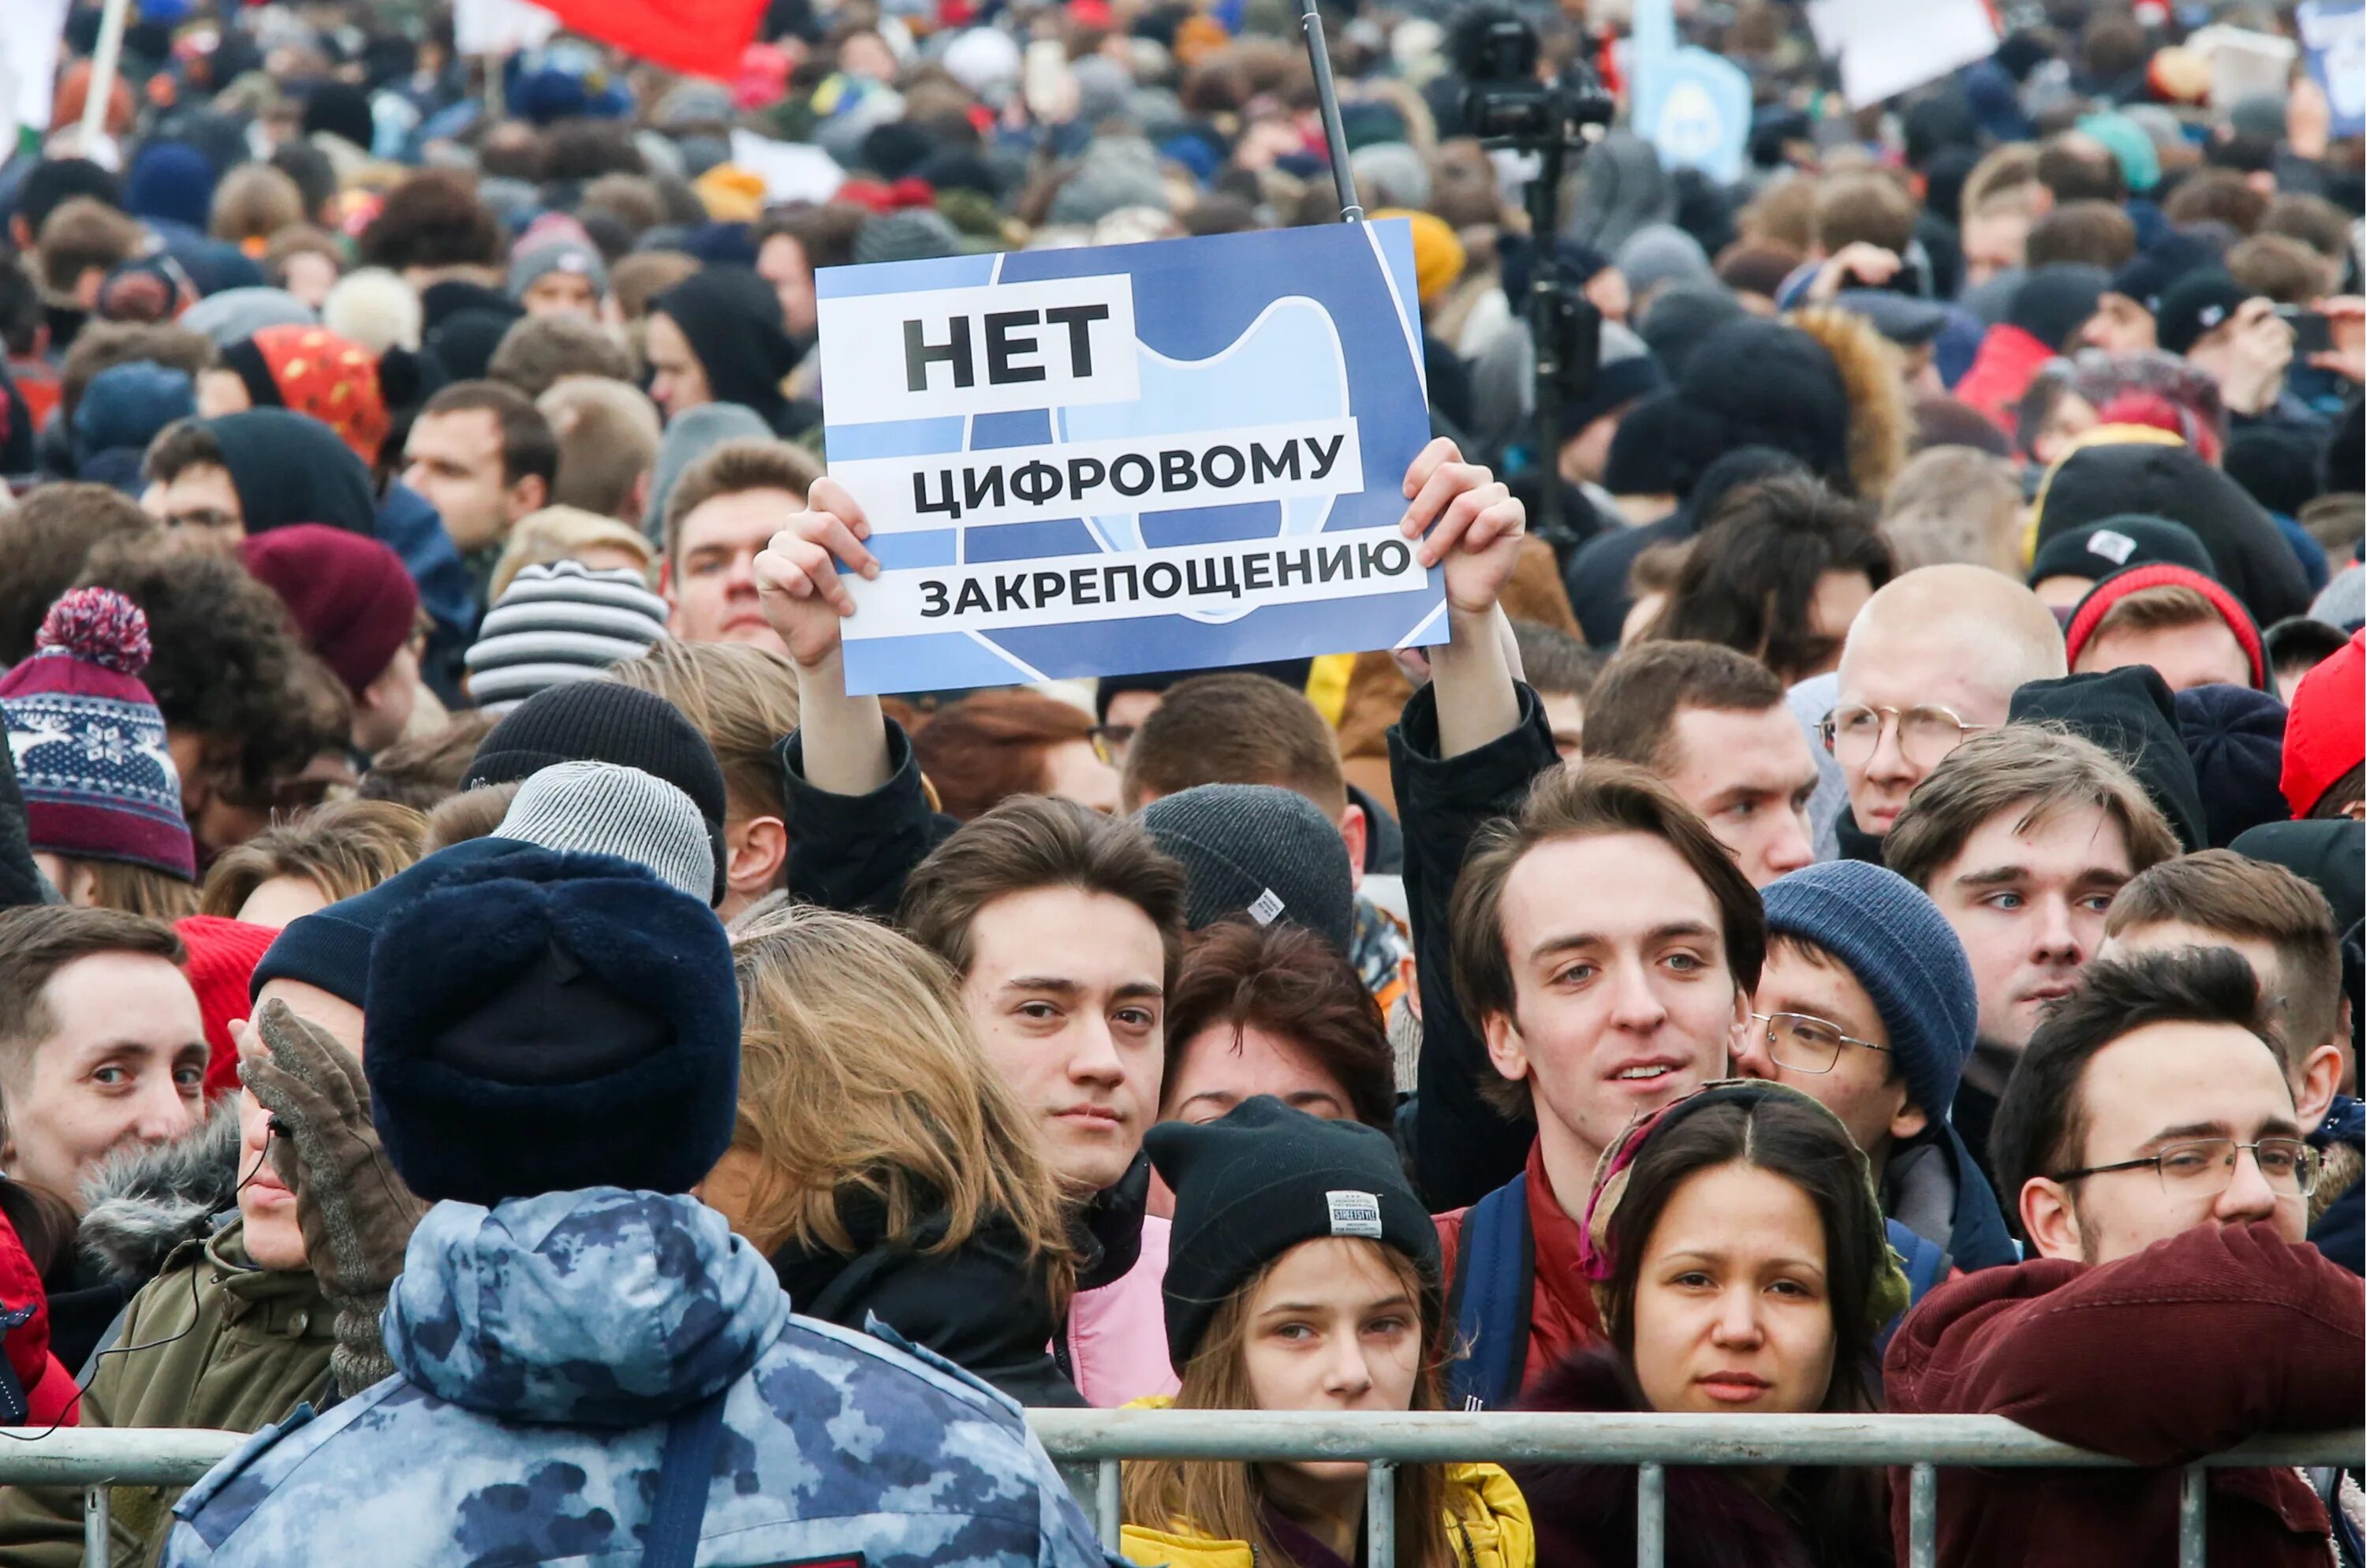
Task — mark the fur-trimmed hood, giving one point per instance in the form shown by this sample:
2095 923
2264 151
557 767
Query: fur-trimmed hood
144 1201
1881 420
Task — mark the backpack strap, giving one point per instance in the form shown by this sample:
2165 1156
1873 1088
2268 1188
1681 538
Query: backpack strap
1494 1277
1926 1263
684 1476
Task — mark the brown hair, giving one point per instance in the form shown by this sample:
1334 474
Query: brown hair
2005 177
825 231
2218 890
2098 234
2317 223
640 277
631 200
2077 168
528 448
1868 207
1554 662
1225 1499
860 1077
2340 796
38 941
422 771
255 201
1954 505
734 467
2216 196
537 352
2284 269
1749 580
471 813
1783 214
2037 771
1236 728
1593 799
986 748
46 540
341 847
1041 841
743 699
607 433
295 241
135 889
102 344
84 234
1631 713
433 218
1285 981
2155 610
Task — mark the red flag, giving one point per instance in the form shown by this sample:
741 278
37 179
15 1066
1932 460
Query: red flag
705 37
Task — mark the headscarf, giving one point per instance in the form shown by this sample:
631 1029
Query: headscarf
732 319
290 468
314 371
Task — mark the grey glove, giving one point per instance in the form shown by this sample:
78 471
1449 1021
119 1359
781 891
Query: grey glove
357 1214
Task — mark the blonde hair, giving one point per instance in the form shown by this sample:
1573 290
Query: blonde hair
1225 1499
341 847
859 1073
742 698
133 889
559 533
471 813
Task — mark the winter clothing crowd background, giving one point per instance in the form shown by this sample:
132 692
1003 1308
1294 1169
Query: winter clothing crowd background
1862 913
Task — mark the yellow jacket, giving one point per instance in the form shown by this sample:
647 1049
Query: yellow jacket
1487 1519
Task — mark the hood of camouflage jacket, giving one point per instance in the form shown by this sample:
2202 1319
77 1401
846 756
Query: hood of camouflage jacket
600 1307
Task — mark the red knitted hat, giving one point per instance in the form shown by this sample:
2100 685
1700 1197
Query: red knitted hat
350 596
89 742
223 956
2326 736
2105 595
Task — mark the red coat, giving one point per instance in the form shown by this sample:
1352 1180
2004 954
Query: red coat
49 1387
1561 1317
2183 1349
2001 371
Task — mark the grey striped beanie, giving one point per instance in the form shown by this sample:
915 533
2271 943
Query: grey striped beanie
559 623
610 809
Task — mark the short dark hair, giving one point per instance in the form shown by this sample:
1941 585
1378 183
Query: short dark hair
2284 269
2029 769
1632 712
38 941
2340 796
825 231
1041 841
538 351
181 445
2249 900
434 219
2077 168
1287 982
424 770
83 235
2319 224
1750 579
528 447
1236 728
1553 661
2096 233
20 307
1590 800
2041 1123
1868 205
733 468
46 542
2216 196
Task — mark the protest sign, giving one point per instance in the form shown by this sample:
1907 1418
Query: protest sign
1171 456
1886 48
29 35
2334 33
1692 106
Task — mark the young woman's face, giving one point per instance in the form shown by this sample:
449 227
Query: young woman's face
1732 1306
1332 1327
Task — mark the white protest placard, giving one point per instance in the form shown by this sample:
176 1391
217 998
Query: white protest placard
792 171
30 34
499 27
1887 48
1172 455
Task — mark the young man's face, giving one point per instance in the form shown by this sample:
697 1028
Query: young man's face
2157 1088
1831 1012
124 1063
782 262
2314 1067
710 575
1748 777
2120 325
456 461
1993 244
2028 903
1899 668
202 502
561 293
387 704
2202 654
1067 992
679 383
274 1236
1623 999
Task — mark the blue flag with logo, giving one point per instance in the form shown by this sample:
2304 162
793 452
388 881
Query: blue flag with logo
1172 455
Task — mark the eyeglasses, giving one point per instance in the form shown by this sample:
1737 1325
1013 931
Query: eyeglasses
2206 1167
1925 735
1807 1044
1110 742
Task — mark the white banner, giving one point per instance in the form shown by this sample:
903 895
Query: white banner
935 353
30 33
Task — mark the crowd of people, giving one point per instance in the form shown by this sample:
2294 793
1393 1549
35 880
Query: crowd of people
1862 909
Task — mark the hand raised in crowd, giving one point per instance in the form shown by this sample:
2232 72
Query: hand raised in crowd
1857 262
2346 315
1466 519
801 575
357 1214
2262 352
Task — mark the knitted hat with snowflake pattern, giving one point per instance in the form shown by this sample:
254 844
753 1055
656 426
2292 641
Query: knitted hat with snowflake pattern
89 743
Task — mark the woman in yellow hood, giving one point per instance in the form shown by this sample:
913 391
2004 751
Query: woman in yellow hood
1303 1276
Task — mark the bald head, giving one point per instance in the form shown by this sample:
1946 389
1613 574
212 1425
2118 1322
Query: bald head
1959 638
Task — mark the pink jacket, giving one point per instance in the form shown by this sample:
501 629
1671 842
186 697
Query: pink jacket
1116 1335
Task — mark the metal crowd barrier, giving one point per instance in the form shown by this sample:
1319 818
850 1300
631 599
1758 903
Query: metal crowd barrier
1098 1441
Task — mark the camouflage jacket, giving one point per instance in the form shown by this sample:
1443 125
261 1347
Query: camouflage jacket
541 1348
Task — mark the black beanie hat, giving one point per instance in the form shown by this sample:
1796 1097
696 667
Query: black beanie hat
2196 304
1258 1181
2236 738
604 721
545 1022
2329 855
1765 383
1639 464
2097 549
1256 850
2055 302
2129 713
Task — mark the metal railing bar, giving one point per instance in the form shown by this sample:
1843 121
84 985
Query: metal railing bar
1380 1517
1109 1501
1923 1518
1650 1517
2193 1518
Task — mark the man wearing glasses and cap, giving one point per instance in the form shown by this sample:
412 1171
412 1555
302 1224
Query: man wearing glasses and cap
2170 1309
1932 660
